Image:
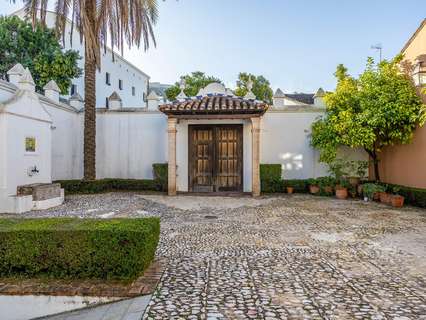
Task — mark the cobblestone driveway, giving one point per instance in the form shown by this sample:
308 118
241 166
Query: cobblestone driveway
288 257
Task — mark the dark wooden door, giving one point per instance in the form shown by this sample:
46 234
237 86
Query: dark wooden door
215 158
201 145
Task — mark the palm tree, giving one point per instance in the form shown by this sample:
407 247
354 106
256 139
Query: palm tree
120 22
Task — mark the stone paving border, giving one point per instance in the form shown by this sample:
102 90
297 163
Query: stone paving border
144 285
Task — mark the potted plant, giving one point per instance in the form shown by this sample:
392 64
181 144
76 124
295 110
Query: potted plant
290 189
313 186
342 189
326 185
384 196
397 200
352 190
371 191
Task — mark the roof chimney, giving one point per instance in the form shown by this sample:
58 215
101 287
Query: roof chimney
76 101
278 100
319 98
115 101
26 81
153 100
51 91
15 73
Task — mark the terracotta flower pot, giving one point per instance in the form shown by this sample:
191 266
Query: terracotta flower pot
341 193
314 189
385 197
397 201
290 190
376 196
328 189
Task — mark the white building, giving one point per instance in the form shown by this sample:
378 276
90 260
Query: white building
116 73
213 142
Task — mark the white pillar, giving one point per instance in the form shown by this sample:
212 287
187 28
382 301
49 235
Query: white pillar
171 129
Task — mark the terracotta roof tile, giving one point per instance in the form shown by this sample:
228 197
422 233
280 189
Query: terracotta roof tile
214 104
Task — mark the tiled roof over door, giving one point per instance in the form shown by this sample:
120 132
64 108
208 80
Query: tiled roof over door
214 104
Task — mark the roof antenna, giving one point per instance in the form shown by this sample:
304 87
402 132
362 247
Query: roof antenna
379 48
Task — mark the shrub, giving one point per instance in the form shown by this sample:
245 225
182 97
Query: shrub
106 185
413 196
312 182
77 248
324 182
369 189
270 178
299 185
161 175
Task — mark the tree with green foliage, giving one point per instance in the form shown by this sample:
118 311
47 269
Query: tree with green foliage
380 108
193 83
261 87
39 50
120 22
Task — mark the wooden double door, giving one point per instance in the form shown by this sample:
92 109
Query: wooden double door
215 158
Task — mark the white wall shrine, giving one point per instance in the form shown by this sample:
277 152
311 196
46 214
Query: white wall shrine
130 140
25 146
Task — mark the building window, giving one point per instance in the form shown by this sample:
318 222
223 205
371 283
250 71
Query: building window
73 89
107 79
30 144
120 84
106 102
133 91
144 96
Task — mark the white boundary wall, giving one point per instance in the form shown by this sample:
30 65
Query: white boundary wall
130 140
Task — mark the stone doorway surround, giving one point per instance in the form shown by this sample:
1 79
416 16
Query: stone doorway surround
213 104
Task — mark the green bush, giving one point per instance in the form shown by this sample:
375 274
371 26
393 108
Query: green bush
106 185
324 182
161 175
299 185
77 248
270 178
369 189
413 196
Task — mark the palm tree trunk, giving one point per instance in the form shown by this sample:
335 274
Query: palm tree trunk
89 118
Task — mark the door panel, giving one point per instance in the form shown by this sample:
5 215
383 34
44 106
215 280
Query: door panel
201 159
215 158
229 158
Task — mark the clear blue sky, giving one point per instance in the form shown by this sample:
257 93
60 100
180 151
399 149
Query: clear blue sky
294 44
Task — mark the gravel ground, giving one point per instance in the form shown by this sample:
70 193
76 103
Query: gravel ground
280 257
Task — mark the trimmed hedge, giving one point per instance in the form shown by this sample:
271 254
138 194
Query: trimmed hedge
161 174
270 178
77 248
299 185
106 185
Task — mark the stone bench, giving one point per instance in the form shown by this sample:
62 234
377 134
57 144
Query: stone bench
44 195
40 191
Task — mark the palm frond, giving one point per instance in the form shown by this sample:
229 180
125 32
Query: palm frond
119 21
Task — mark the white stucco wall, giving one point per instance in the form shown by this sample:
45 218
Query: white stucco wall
118 69
128 143
67 142
285 140
23 116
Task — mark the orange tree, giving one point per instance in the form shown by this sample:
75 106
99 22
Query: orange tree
378 109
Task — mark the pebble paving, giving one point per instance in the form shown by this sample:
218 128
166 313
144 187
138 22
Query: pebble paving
283 257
